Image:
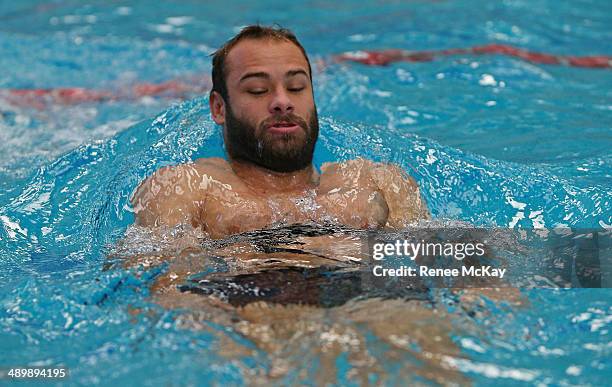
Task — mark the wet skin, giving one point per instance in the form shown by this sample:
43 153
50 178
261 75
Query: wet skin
210 195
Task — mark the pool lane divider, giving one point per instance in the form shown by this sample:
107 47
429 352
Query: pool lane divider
182 88
40 97
386 57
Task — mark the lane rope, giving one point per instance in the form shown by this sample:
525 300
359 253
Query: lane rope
386 57
182 88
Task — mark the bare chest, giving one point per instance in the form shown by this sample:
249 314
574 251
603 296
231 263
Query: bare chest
239 210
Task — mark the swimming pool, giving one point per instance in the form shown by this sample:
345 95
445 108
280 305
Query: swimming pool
492 139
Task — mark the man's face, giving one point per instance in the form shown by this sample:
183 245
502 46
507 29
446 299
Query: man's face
270 118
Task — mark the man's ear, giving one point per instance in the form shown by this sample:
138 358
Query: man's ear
217 107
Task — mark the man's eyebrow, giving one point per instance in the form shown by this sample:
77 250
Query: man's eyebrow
260 74
292 73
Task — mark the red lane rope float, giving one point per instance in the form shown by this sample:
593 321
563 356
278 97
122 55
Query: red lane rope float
385 57
39 98
64 95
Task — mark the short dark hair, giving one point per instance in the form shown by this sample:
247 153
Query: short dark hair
255 31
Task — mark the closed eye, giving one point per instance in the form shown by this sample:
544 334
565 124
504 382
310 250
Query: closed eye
296 89
257 92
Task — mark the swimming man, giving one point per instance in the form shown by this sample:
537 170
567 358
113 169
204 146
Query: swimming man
262 96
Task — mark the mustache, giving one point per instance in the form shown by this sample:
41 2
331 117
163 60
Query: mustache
287 117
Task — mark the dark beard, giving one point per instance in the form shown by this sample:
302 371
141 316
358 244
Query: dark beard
286 153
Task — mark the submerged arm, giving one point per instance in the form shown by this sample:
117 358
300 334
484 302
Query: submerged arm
401 193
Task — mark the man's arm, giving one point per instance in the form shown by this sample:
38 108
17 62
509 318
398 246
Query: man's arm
401 193
168 197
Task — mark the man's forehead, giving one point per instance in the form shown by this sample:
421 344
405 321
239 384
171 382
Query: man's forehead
260 54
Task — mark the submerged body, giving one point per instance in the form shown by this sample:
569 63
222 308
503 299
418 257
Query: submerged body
296 293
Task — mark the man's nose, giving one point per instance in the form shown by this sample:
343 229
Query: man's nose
281 103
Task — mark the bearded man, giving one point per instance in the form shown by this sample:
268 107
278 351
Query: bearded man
263 98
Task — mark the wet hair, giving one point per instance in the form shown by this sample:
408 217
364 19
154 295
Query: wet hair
249 32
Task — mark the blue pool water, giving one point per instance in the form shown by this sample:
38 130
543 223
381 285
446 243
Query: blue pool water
492 140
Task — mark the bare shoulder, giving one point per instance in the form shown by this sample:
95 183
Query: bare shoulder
384 173
169 196
163 178
184 175
400 190
347 166
212 163
177 194
377 171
